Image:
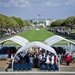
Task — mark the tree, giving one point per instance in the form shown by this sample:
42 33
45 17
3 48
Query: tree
27 23
69 22
19 21
13 23
35 23
2 21
10 23
57 23
2 24
31 21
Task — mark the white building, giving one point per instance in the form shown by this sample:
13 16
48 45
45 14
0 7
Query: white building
48 22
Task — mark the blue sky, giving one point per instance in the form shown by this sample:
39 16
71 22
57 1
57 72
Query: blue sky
28 9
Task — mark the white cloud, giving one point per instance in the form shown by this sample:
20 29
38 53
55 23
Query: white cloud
52 3
27 3
70 2
15 3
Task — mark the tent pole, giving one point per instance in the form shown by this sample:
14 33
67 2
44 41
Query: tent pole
68 46
12 65
71 48
59 64
12 62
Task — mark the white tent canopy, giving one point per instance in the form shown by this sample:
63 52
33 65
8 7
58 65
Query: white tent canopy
18 39
36 44
54 39
22 39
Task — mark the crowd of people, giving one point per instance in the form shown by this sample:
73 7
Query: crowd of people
44 60
41 59
10 31
68 32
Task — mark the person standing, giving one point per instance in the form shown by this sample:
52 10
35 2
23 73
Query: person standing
47 62
68 59
31 60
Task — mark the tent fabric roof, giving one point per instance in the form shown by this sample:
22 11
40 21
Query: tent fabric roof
36 44
46 45
18 39
54 39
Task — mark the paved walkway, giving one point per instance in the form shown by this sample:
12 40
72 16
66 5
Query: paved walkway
37 73
66 70
62 69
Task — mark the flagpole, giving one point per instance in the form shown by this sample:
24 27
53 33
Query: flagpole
37 20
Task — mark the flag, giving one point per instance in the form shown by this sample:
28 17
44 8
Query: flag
39 15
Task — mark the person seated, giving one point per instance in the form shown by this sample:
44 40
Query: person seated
42 63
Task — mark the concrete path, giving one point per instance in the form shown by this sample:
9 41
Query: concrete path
66 70
37 73
62 69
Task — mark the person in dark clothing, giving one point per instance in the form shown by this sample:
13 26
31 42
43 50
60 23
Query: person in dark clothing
27 58
42 63
36 61
9 66
27 62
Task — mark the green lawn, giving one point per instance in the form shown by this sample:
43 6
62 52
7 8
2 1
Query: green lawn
36 35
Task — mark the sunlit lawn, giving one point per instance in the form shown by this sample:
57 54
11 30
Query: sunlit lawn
37 35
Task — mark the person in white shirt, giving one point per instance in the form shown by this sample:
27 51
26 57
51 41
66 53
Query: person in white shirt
47 59
52 62
40 57
47 62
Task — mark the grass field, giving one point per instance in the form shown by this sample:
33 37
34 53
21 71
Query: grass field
37 35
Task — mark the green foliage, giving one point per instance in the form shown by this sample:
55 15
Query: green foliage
10 22
7 22
13 23
27 23
19 21
2 21
35 23
57 23
70 21
31 21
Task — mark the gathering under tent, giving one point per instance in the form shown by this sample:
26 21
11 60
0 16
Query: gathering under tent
46 45
36 44
25 44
